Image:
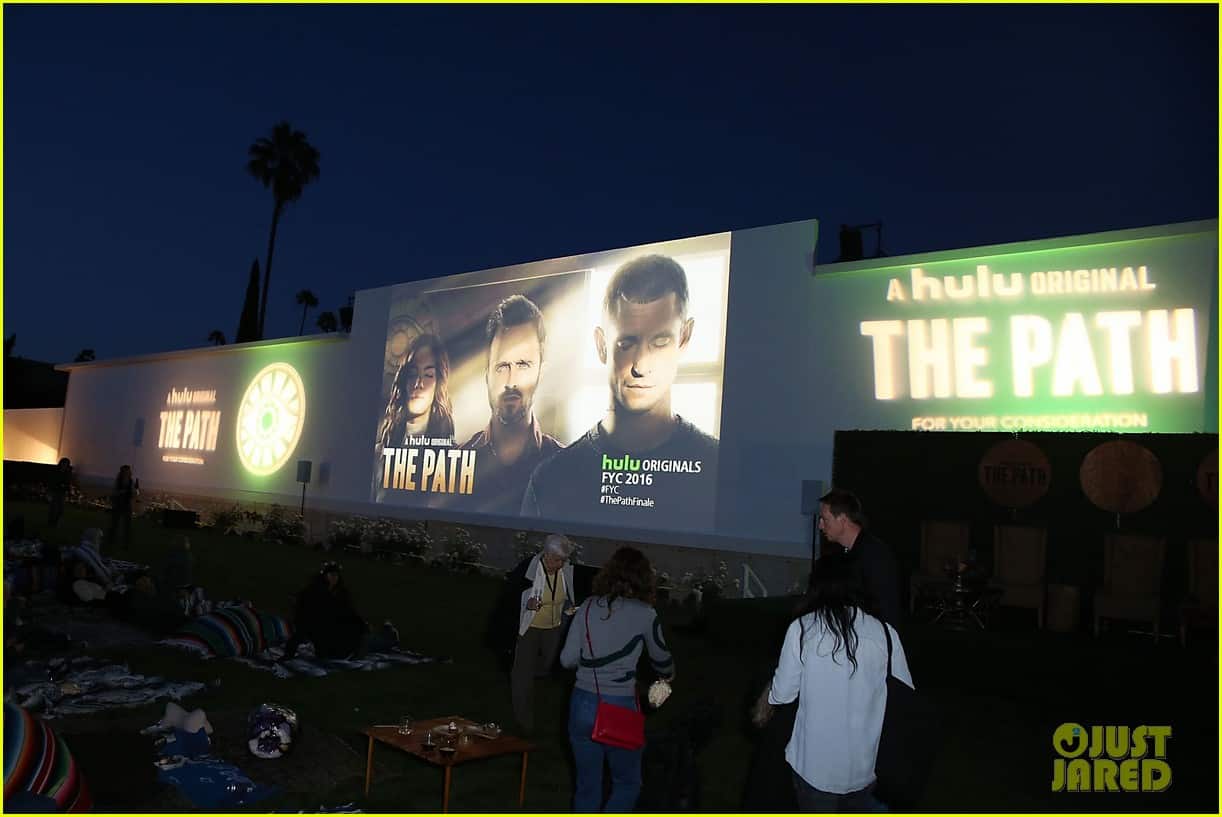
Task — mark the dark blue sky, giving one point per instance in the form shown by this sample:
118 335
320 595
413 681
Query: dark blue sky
459 138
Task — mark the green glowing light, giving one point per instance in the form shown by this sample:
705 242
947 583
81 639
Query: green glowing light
270 419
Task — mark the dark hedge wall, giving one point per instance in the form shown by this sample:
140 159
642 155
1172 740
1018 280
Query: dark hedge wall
905 477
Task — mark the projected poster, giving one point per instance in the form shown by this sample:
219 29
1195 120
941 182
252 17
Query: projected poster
1064 335
584 389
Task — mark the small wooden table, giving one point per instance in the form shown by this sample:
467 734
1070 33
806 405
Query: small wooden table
477 749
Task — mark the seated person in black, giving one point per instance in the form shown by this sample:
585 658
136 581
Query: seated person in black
144 606
326 618
641 459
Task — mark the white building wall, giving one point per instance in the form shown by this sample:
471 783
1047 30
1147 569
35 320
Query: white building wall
787 389
32 435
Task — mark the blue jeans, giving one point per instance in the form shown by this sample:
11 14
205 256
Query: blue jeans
590 756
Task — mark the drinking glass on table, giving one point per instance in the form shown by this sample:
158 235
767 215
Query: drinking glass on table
405 725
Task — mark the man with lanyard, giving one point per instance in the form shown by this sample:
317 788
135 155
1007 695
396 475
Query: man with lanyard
546 604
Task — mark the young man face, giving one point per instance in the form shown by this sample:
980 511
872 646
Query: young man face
514 364
420 381
640 345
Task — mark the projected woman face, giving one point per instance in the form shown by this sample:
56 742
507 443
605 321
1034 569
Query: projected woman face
640 346
420 382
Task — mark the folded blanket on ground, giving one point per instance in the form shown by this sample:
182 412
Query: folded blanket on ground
22 549
231 631
211 783
124 566
342 808
37 762
87 687
31 579
305 663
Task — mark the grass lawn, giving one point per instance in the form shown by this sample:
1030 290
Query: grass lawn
1003 693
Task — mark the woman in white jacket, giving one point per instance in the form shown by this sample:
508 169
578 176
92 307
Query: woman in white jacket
546 603
834 662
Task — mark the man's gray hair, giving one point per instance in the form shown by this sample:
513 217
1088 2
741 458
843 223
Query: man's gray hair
558 544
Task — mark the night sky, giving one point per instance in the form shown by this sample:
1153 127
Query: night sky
460 138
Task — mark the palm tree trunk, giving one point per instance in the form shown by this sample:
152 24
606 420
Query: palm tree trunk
304 309
267 271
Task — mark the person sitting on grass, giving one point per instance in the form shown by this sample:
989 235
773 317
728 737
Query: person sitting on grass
177 580
89 553
144 606
326 617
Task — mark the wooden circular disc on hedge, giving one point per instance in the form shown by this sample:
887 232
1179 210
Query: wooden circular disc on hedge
1121 476
1014 473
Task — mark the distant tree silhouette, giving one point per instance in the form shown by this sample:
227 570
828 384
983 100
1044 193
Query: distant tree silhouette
285 163
84 356
307 300
216 337
345 315
248 323
327 322
9 343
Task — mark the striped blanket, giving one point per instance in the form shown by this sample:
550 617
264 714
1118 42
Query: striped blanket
305 663
229 632
32 579
37 762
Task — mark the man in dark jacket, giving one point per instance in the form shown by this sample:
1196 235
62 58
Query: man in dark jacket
842 522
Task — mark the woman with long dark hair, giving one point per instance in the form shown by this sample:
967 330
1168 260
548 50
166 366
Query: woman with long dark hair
834 662
419 403
327 617
57 491
122 501
621 622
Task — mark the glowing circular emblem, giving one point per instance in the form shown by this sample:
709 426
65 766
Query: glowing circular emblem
270 419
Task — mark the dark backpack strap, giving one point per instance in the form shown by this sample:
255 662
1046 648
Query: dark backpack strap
887 635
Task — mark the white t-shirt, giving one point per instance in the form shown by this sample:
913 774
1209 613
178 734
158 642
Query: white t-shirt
840 710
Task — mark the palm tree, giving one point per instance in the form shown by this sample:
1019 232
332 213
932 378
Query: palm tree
248 323
84 356
327 322
285 162
345 315
216 337
307 300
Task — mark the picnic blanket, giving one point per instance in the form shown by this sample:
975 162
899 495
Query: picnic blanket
306 663
211 783
37 763
229 631
88 685
186 762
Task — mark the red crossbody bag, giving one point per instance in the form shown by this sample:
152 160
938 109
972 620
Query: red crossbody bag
615 725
